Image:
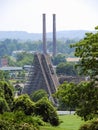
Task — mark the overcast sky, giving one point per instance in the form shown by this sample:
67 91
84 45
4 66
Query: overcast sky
26 15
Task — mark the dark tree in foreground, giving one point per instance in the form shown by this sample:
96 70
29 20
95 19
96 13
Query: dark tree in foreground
24 103
88 100
6 95
46 110
83 98
67 96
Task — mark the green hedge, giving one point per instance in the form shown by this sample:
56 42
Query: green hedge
93 125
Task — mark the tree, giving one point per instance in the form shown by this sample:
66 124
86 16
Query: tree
3 105
11 60
19 121
6 92
37 95
24 58
1 75
66 95
88 100
92 125
46 110
83 98
58 59
87 50
4 75
24 103
66 69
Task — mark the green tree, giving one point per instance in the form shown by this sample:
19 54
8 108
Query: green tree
24 103
46 110
24 58
4 75
67 96
6 92
58 59
66 69
37 95
87 50
92 125
1 75
88 100
19 121
3 105
82 97
11 60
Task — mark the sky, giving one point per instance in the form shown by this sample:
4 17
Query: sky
26 15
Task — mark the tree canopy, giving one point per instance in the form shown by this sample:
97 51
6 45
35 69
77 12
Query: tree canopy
58 59
66 69
23 103
6 96
39 94
87 50
83 98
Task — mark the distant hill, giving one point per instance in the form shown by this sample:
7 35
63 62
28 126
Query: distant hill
22 35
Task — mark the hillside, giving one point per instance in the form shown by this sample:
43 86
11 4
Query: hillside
22 35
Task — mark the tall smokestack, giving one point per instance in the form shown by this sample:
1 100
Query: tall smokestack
54 34
44 34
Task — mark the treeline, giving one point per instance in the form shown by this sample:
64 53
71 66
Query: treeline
7 46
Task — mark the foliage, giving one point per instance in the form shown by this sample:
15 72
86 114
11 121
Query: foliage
3 105
7 46
6 92
24 104
66 69
37 95
1 75
24 58
93 125
82 97
45 109
20 117
87 50
19 121
66 96
58 59
88 100
4 75
64 47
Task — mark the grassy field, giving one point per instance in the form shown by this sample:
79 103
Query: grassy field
70 122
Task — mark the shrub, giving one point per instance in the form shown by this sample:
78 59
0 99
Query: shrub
6 92
3 105
6 125
84 127
19 121
25 126
93 125
23 103
45 109
37 95
20 117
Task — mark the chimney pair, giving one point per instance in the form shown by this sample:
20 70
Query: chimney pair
54 34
